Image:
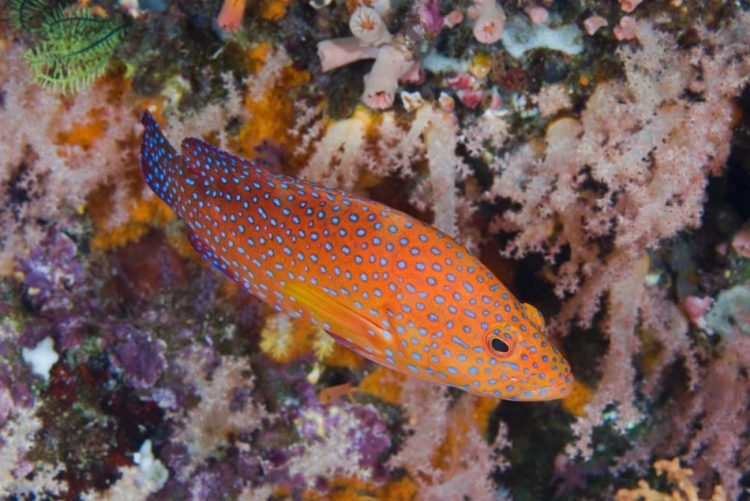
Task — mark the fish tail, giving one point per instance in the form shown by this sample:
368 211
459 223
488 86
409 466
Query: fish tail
161 165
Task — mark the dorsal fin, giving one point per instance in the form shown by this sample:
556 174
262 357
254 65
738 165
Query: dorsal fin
203 157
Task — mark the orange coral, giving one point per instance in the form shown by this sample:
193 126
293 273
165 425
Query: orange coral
256 57
481 411
449 455
144 213
272 113
142 216
85 134
577 400
273 10
384 384
347 489
343 357
403 489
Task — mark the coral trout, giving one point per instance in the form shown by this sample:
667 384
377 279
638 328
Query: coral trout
390 287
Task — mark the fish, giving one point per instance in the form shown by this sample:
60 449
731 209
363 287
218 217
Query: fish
390 287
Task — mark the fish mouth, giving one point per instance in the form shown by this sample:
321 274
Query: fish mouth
562 388
555 391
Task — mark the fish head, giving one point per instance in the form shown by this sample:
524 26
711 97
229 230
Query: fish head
523 362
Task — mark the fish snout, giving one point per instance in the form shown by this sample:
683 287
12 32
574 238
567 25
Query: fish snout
559 389
555 390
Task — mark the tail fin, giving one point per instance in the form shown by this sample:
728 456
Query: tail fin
161 165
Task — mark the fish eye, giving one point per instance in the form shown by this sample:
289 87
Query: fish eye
498 345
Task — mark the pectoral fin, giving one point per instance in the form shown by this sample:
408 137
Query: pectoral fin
342 321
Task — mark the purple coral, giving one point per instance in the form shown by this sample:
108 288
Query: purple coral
138 356
52 282
370 440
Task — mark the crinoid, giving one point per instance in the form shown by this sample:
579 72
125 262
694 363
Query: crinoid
73 45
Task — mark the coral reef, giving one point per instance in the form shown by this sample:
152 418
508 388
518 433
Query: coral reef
675 474
594 155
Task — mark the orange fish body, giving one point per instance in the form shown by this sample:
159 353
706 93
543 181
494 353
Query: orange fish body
392 288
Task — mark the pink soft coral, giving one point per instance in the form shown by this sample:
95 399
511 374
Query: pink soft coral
631 172
489 21
397 57
391 64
